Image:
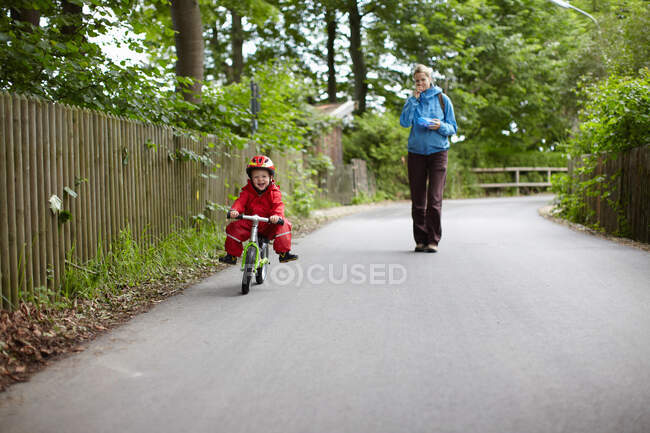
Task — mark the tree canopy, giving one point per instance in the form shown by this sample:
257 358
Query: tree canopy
511 67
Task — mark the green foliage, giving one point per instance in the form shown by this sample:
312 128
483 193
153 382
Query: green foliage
320 203
129 262
365 198
500 62
629 39
301 199
459 177
622 46
381 142
615 117
320 164
71 69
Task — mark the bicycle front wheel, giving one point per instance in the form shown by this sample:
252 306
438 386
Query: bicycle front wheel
249 269
260 275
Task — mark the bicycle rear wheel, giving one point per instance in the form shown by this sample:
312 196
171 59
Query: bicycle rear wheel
249 270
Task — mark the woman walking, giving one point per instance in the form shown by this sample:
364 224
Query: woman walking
430 115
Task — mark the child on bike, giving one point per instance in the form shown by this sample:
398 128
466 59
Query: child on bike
261 197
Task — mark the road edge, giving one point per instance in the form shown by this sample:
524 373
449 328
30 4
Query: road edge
550 213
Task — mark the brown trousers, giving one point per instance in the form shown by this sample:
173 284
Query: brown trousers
426 200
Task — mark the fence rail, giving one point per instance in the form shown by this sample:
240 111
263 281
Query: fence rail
517 171
110 173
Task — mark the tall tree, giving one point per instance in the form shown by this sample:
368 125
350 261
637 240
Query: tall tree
330 22
27 15
186 21
237 43
73 15
356 54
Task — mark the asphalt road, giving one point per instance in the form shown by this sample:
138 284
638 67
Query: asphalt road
517 325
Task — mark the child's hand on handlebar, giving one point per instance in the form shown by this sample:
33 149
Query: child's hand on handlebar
274 218
233 213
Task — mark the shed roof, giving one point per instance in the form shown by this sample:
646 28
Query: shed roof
339 110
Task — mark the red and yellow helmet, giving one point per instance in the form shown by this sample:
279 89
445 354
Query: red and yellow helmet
260 161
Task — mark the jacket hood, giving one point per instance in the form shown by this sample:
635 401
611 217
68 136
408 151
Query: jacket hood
431 92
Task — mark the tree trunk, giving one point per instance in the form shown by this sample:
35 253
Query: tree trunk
74 14
237 38
186 20
31 16
358 62
215 46
330 18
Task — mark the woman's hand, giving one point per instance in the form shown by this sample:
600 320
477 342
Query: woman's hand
274 219
416 93
435 124
233 214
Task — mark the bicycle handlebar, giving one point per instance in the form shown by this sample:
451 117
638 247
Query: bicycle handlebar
255 218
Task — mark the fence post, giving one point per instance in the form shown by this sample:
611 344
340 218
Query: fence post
61 245
517 180
40 201
5 183
85 190
47 188
26 150
19 170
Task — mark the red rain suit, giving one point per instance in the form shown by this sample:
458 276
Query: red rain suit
264 204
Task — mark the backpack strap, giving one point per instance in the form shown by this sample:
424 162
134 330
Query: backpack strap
442 105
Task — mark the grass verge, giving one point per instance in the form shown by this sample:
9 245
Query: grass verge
101 294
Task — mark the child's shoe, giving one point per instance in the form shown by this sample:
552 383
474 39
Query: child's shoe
287 257
228 259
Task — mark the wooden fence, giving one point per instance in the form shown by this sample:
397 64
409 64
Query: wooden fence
517 172
626 178
346 182
109 173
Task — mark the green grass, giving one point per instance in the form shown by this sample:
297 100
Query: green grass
129 263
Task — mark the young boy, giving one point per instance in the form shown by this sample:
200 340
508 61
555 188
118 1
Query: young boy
261 197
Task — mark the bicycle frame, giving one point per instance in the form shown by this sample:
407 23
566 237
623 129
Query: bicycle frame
253 240
258 262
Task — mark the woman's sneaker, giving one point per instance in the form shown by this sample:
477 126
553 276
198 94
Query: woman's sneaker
431 248
419 248
228 259
287 257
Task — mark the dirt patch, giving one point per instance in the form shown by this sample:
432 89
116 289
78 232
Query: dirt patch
34 336
551 213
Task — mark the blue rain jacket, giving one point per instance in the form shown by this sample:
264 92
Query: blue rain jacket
422 140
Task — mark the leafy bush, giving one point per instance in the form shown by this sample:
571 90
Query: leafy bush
615 118
381 142
301 199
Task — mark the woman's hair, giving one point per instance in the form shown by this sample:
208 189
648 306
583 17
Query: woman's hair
424 70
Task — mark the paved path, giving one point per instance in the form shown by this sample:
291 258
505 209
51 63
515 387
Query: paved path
517 325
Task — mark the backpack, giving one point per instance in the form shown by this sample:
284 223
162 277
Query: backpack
442 105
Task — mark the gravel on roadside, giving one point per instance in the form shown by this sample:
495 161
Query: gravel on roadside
551 213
